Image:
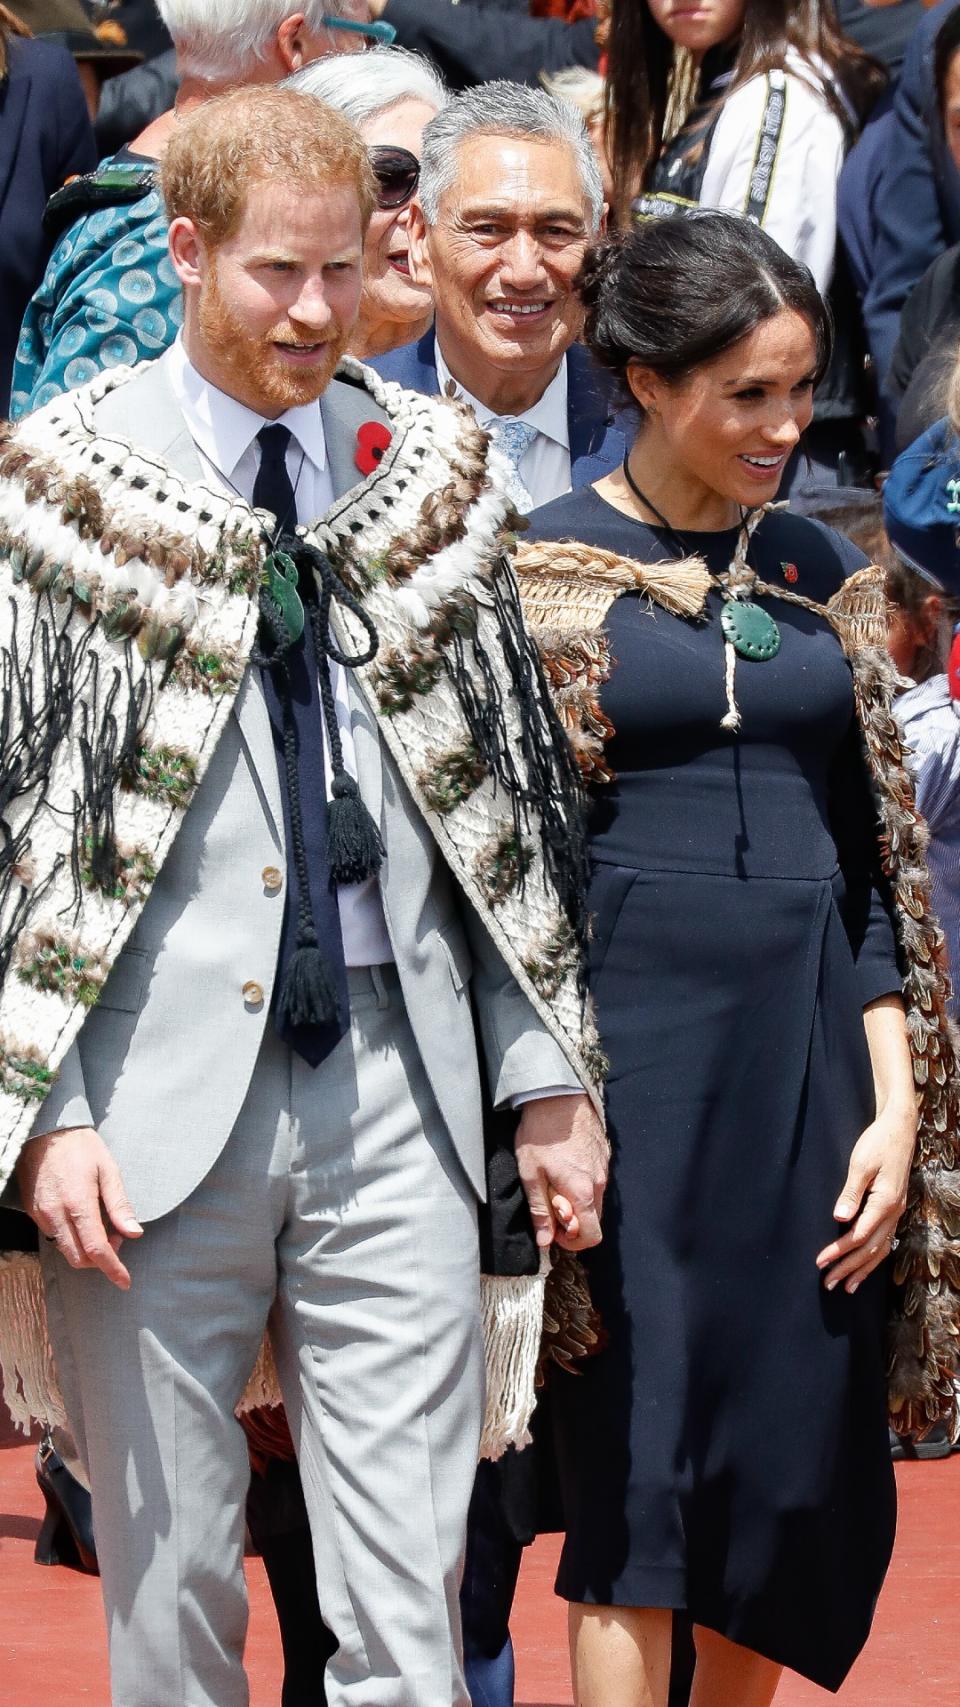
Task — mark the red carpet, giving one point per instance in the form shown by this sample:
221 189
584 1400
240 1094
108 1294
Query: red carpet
52 1645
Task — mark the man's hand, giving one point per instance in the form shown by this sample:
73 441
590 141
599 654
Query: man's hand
562 1156
66 1179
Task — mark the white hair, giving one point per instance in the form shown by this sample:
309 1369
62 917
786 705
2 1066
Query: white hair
221 40
583 88
503 109
360 85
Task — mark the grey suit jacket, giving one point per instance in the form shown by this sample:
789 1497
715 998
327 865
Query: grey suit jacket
164 1060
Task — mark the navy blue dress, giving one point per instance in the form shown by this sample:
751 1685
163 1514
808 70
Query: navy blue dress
727 1452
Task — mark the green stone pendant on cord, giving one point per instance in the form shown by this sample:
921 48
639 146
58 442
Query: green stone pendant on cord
750 630
280 573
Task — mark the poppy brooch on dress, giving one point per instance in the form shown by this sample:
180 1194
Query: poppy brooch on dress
372 440
790 572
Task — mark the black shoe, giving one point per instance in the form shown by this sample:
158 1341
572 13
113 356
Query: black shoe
936 1444
66 1537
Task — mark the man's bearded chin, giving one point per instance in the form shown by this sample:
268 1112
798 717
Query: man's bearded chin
253 371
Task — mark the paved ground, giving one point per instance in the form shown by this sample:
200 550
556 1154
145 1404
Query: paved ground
52 1648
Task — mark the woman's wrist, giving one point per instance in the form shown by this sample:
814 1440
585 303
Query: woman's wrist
899 1116
892 1066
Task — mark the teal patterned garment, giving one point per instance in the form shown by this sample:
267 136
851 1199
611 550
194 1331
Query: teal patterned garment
109 296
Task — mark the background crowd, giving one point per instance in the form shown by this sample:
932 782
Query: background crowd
834 128
860 182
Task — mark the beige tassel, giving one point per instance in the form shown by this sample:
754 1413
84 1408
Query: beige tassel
512 1324
263 1388
31 1391
512 1321
681 588
568 586
511 1308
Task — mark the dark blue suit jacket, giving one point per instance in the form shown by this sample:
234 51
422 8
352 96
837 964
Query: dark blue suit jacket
45 137
918 208
884 31
860 193
599 436
474 43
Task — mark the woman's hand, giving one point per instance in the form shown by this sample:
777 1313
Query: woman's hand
874 1195
872 1201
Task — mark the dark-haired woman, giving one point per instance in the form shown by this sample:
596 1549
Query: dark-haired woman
751 105
737 105
727 1452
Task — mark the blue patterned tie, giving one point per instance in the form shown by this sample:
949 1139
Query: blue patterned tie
514 439
273 490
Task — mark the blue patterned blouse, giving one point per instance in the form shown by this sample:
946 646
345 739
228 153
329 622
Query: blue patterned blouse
109 296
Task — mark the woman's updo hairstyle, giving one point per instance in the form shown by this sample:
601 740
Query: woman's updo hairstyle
674 293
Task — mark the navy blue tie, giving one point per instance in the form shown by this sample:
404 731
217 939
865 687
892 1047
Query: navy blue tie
273 490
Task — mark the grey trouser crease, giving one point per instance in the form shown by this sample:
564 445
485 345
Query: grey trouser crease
339 1211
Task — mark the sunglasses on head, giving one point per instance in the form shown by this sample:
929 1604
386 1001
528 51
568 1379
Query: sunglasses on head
382 34
397 172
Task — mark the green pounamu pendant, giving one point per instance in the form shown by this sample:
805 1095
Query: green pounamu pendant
280 573
750 630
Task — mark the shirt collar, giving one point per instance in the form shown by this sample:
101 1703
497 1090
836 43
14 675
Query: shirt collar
548 416
223 429
931 695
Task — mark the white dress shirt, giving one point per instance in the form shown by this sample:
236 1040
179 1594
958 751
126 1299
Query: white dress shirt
545 466
225 435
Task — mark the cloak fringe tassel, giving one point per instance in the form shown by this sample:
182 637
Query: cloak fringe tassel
511 1309
31 1391
512 1316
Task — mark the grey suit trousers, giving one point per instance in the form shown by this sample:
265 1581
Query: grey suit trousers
339 1211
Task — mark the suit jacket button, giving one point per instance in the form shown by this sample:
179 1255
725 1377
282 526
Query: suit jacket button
253 993
272 879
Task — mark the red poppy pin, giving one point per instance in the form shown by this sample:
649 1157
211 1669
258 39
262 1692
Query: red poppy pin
790 571
372 440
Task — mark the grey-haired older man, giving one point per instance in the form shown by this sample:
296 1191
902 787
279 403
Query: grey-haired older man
509 198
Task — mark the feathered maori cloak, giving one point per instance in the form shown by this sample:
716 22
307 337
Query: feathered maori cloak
129 604
566 590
